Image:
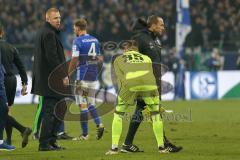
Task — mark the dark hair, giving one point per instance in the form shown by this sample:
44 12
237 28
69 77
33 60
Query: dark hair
81 23
130 45
153 19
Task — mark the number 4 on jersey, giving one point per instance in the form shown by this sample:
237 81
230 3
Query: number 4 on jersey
92 50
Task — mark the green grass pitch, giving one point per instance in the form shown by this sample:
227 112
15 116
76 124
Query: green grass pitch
208 130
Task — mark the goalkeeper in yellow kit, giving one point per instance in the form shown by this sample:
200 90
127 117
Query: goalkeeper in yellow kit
135 80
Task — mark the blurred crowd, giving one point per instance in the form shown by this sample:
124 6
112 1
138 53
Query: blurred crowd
214 22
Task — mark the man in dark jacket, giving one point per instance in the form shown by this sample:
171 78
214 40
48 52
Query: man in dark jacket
49 54
147 35
10 58
3 109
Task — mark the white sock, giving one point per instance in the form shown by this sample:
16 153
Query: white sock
114 146
1 141
161 146
60 133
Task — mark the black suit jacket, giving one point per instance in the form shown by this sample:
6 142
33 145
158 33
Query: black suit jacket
148 43
10 57
49 54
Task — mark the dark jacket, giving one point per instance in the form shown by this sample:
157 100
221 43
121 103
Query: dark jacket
48 55
148 42
10 57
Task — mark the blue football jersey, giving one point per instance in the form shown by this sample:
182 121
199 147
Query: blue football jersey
86 47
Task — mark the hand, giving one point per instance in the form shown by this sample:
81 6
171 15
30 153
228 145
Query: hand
24 90
65 81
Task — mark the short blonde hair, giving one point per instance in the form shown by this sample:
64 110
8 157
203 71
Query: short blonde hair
81 23
50 10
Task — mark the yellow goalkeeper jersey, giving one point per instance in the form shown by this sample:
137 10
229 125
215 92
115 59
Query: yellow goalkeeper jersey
134 72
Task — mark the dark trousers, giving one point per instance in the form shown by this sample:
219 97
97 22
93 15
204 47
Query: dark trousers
50 123
10 83
3 114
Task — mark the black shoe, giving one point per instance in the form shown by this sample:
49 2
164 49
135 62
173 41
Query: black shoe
57 147
175 148
169 149
25 136
100 131
64 136
130 148
46 148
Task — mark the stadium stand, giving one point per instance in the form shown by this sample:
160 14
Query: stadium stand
215 23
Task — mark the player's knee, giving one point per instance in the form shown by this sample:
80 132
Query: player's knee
153 113
83 106
91 100
153 108
118 117
121 109
121 113
156 117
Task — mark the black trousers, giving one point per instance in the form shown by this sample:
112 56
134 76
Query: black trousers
10 83
50 123
3 113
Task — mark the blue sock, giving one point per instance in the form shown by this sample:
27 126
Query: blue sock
94 114
84 122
